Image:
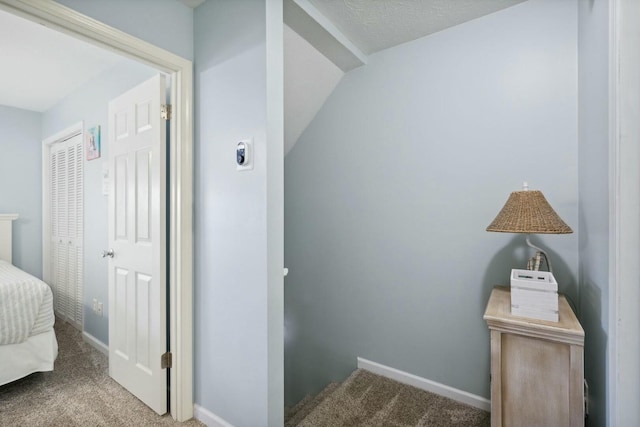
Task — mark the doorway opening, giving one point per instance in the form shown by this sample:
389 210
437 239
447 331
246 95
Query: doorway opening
180 190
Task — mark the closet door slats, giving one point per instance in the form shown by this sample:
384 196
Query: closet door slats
67 211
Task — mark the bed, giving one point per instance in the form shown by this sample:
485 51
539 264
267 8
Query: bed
27 341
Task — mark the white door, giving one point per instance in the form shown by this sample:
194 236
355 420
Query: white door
137 218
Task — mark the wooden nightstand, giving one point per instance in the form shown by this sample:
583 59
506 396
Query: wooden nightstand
537 367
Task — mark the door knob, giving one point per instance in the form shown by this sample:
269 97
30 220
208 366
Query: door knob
108 253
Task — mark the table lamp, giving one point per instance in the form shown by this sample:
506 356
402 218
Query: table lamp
533 294
529 212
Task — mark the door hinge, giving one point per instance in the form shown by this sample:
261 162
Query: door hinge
165 111
165 360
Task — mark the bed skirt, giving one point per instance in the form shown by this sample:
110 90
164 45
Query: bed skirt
36 354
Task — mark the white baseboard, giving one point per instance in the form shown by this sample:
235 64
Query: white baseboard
208 418
425 384
95 343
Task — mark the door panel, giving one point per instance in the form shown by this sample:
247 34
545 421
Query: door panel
137 282
143 196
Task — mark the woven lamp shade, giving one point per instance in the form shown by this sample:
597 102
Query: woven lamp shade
528 212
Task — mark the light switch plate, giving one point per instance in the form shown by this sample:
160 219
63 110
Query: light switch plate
105 178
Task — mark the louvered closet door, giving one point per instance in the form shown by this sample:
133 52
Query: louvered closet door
66 172
59 220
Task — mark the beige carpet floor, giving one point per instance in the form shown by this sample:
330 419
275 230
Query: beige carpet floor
366 399
79 392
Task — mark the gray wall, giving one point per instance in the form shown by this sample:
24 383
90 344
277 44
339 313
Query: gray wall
391 187
238 283
89 104
593 158
21 184
165 23
233 295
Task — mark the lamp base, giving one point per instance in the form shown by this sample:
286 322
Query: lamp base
536 262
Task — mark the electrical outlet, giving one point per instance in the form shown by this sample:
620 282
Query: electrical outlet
99 309
95 305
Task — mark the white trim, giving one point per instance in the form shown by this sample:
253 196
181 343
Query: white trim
63 135
6 232
425 384
614 232
624 291
62 18
95 343
209 418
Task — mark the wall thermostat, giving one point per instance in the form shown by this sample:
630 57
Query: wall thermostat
243 155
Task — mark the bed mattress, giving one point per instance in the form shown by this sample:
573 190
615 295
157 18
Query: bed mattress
26 305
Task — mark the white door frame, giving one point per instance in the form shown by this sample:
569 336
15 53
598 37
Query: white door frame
624 225
69 21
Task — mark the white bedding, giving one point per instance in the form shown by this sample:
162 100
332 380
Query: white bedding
28 342
26 305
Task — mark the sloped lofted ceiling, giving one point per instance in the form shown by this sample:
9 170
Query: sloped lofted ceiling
347 31
309 78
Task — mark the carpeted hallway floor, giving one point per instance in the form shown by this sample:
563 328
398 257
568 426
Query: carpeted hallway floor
367 399
79 392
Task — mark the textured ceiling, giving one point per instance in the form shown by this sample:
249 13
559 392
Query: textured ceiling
373 25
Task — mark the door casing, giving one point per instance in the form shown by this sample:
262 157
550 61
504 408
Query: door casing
180 70
623 350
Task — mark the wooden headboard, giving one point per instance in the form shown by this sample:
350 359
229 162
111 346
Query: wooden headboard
6 221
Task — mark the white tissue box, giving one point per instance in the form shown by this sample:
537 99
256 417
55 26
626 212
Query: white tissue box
534 294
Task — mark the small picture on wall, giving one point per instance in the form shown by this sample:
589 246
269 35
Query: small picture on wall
93 143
